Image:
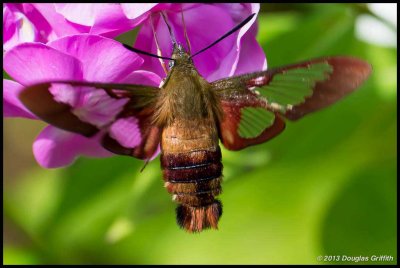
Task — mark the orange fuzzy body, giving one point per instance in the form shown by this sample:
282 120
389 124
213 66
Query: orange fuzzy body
192 171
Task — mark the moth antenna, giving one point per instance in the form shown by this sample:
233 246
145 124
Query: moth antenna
237 27
171 34
163 65
128 47
185 33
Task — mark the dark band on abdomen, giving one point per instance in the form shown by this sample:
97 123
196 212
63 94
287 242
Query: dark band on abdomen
210 171
190 159
194 178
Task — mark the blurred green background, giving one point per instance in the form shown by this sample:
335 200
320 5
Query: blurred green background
325 186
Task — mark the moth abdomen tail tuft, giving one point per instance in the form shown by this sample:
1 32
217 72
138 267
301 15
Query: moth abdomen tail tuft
196 219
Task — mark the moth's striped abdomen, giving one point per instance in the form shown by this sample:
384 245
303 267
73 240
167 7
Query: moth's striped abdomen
192 171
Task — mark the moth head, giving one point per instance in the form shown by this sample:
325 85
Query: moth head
180 56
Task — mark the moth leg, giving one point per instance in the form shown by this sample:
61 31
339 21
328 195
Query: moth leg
185 33
163 65
111 93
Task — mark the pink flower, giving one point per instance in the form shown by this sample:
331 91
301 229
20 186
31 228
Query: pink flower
89 57
34 23
103 19
79 58
205 23
240 53
41 22
109 19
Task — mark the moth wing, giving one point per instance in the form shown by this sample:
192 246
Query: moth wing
298 89
41 102
292 91
38 99
247 121
149 137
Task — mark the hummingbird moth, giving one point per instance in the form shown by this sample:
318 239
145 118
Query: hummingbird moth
188 116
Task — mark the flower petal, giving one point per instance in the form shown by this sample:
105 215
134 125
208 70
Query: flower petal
133 11
103 59
17 28
222 60
57 148
31 63
96 107
111 21
58 23
34 23
197 20
250 49
145 78
42 28
90 105
82 13
126 131
12 107
238 61
105 19
9 28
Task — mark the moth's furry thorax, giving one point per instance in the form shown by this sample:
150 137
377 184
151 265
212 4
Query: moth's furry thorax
185 95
